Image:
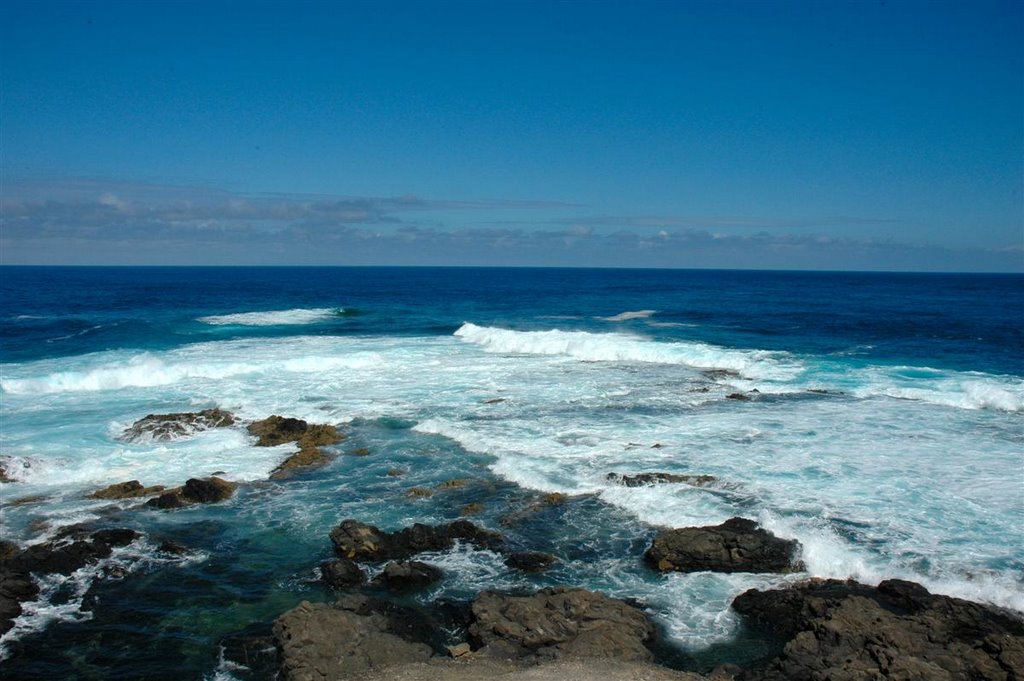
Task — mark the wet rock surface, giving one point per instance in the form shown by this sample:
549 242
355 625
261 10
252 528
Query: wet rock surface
278 430
737 545
643 479
898 630
360 541
166 427
16 587
530 561
561 622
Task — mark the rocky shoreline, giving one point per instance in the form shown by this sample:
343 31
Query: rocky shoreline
818 629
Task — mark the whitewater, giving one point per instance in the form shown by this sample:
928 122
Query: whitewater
884 456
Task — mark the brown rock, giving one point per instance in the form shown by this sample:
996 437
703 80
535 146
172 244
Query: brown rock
195 491
359 541
308 458
562 622
418 492
126 490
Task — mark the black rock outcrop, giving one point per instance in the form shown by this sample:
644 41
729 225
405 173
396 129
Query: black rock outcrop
737 545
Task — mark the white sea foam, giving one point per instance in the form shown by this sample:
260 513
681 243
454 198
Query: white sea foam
615 347
274 317
629 315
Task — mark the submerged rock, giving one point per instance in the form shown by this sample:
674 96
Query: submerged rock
359 541
641 479
126 490
195 491
845 630
561 622
320 641
165 427
737 545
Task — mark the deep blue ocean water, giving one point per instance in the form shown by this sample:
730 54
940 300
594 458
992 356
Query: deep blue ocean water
883 428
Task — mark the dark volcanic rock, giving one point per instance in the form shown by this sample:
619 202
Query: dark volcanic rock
342 573
63 559
737 545
116 537
641 479
530 561
559 622
172 547
318 642
8 549
359 541
126 490
406 575
163 427
849 631
15 588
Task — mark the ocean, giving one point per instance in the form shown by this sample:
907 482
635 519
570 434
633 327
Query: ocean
877 418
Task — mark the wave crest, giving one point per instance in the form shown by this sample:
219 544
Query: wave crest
298 316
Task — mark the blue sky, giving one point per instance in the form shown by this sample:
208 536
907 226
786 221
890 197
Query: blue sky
797 135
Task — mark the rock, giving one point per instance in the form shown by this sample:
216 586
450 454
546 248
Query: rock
738 396
195 491
641 479
459 650
16 587
311 457
737 545
471 509
407 575
844 630
530 561
495 400
24 501
342 573
457 483
277 430
419 493
558 622
60 558
116 537
8 549
361 451
319 642
395 472
172 547
359 541
126 490
164 427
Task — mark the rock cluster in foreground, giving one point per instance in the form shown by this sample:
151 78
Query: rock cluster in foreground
844 631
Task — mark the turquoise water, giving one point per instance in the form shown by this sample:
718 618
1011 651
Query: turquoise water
886 434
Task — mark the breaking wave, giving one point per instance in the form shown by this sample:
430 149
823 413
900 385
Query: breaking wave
274 317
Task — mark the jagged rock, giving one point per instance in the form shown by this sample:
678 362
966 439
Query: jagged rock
457 483
530 561
342 573
737 545
359 541
407 575
557 622
195 491
641 479
16 587
164 427
849 631
126 490
319 642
